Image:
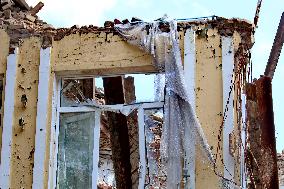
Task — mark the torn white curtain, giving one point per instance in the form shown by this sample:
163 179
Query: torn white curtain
178 112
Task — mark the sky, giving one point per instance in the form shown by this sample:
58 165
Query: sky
66 13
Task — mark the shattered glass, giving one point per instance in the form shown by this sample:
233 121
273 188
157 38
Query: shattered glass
76 91
75 151
148 87
106 171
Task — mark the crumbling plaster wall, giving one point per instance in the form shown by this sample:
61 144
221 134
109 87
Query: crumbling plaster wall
24 136
98 53
101 54
209 100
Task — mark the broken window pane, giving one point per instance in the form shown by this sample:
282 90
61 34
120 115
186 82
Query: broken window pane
75 151
76 91
148 88
156 174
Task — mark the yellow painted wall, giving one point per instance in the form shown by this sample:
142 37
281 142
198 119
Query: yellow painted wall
102 54
4 50
98 54
209 102
23 142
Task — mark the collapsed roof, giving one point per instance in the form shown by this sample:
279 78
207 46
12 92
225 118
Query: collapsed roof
21 21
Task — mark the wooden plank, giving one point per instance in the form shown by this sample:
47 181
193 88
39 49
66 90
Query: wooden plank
54 133
8 120
96 149
189 76
41 119
243 147
142 147
227 75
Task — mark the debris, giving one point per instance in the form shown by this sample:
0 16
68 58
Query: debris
108 24
116 21
126 21
47 26
16 27
22 4
30 18
75 27
36 9
135 19
7 14
20 23
7 6
22 15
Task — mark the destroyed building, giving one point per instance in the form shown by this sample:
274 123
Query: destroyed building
71 116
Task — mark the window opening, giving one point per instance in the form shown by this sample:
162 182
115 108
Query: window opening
79 142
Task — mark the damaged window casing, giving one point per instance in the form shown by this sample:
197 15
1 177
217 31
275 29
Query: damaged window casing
83 106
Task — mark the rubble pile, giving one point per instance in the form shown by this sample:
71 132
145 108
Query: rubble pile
16 14
20 20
